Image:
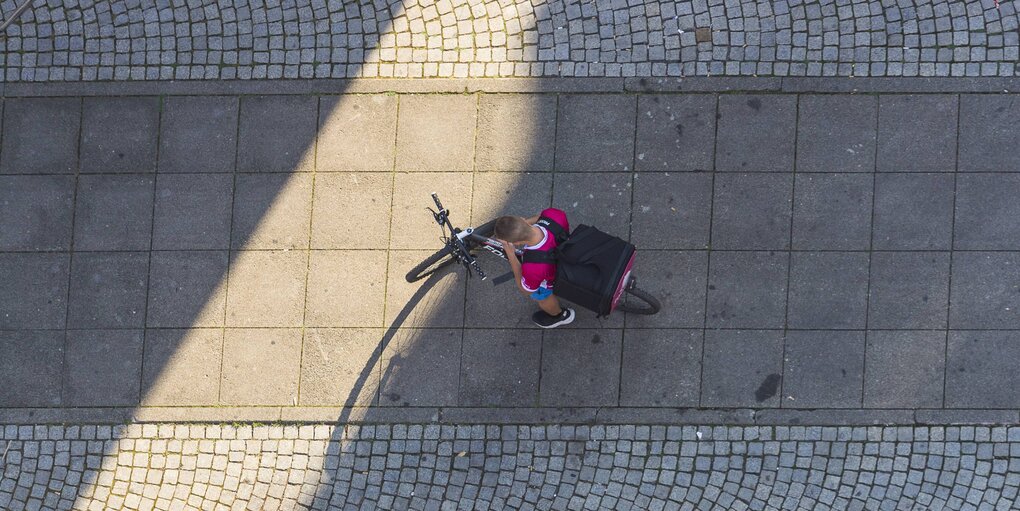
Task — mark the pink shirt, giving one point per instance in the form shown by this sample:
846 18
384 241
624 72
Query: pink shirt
536 275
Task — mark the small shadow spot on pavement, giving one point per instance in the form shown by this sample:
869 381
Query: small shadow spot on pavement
768 388
754 103
680 129
596 339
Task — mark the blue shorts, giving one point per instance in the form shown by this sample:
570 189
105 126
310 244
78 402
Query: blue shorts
542 293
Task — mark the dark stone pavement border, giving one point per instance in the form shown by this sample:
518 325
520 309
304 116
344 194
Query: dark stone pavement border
975 85
476 466
461 415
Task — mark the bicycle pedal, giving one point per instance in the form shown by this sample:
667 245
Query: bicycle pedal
502 278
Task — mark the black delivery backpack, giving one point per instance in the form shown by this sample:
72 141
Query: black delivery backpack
592 267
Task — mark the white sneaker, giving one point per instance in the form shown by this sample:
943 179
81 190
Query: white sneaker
545 320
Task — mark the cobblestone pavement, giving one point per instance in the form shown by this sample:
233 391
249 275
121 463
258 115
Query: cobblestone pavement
517 467
133 40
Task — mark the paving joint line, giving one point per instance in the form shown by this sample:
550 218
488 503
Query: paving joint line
952 250
708 249
152 236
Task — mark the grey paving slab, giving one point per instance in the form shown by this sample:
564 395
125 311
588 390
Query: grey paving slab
516 133
985 212
35 290
581 367
595 133
904 369
828 290
31 364
113 212
980 372
675 133
277 134
192 211
356 133
987 135
917 133
271 211
40 135
836 133
266 288
985 292
677 279
491 305
420 367
756 133
661 367
261 366
747 289
334 274
832 211
103 368
35 212
913 212
823 369
181 367
601 199
752 211
435 133
909 290
337 366
344 199
198 134
185 298
671 210
500 367
495 194
413 227
436 304
119 134
742 368
108 290
185 289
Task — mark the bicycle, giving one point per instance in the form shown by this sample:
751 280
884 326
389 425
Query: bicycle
463 245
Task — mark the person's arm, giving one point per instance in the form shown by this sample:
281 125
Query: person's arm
532 219
515 265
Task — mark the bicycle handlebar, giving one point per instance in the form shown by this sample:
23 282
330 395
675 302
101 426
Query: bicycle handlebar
455 240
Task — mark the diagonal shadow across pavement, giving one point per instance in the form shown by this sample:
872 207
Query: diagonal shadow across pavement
823 258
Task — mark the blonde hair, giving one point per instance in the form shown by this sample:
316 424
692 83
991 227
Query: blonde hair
511 228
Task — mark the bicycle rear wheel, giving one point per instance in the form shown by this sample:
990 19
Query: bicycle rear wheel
638 301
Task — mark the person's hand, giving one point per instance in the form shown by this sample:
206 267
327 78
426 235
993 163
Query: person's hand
507 247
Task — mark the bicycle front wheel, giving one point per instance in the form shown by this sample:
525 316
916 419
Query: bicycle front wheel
444 257
638 301
431 264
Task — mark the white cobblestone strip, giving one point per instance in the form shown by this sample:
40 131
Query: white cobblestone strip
428 466
89 40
